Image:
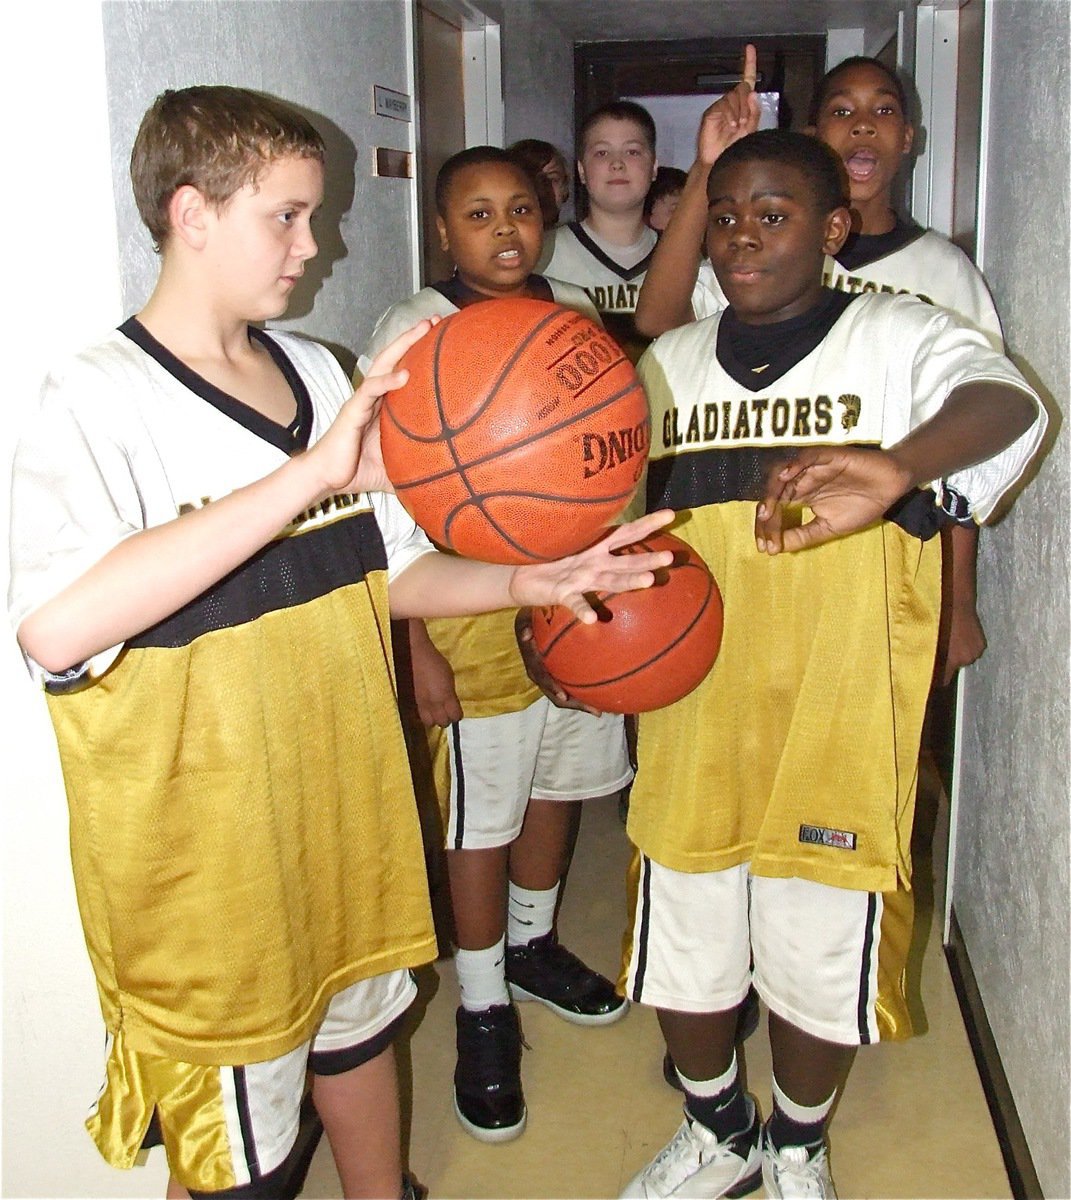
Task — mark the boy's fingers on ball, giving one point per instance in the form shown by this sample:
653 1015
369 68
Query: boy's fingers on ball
387 359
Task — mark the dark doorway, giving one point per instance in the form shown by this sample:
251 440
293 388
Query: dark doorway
790 65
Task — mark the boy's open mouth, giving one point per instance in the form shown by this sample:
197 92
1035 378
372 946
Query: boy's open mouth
861 165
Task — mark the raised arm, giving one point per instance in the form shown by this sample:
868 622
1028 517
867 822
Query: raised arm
849 488
154 572
665 299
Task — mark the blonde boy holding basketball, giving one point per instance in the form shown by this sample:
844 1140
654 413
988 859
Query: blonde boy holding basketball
519 766
203 556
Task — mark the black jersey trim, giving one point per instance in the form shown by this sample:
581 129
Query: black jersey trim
862 249
459 787
290 438
600 255
461 295
864 970
717 476
645 928
919 514
789 341
245 1123
337 1062
289 571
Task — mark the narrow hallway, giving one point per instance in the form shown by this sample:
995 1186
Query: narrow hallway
913 1121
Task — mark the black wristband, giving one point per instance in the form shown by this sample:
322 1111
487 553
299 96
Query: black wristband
955 505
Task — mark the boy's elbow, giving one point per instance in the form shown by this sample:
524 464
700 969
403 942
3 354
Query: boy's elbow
50 652
1024 412
650 322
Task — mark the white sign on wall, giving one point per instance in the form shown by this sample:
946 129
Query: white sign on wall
388 103
677 119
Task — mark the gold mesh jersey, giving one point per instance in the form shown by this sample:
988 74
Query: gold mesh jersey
243 831
489 675
798 752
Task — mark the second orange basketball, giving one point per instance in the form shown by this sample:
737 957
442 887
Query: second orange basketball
521 434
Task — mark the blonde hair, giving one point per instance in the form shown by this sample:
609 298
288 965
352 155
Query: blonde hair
214 138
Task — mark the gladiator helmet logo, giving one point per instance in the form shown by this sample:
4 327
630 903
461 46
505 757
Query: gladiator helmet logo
852 405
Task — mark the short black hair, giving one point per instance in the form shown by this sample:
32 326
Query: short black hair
618 110
668 181
474 156
825 84
819 164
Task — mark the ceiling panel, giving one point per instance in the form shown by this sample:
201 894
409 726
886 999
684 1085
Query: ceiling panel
628 20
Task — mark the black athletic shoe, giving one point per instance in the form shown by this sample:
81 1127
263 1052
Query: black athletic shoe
487 1079
544 970
747 1022
412 1189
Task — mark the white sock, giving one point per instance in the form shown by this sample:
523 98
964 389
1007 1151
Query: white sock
531 914
801 1113
710 1087
481 975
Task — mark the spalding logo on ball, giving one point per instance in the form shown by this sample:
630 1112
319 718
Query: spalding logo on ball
521 434
648 648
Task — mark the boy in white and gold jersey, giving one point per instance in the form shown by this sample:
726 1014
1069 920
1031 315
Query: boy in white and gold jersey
204 564
860 110
772 806
518 767
607 253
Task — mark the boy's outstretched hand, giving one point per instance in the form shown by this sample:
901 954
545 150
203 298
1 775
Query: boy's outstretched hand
348 455
847 488
567 581
732 116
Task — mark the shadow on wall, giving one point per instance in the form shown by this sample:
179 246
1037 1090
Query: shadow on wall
328 225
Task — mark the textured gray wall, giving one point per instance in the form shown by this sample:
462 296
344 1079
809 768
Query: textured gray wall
321 55
537 75
1011 884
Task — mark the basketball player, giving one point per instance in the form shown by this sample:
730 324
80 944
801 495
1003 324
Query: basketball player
860 110
202 560
772 808
518 765
608 252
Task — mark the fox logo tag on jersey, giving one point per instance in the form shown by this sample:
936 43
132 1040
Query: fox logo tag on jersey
838 839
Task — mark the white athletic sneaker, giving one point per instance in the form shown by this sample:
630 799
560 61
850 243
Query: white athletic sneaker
696 1165
793 1173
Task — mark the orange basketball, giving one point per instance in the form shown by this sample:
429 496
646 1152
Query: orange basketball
521 433
649 648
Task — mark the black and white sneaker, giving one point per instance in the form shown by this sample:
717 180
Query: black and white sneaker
695 1164
487 1079
544 970
796 1172
412 1189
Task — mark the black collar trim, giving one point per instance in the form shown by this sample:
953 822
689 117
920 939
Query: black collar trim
862 249
598 253
789 342
289 439
460 294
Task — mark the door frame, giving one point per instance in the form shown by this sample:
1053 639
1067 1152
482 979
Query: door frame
485 121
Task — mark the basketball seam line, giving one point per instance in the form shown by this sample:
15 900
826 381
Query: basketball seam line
520 445
649 662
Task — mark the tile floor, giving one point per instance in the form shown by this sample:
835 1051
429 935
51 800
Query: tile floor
912 1121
